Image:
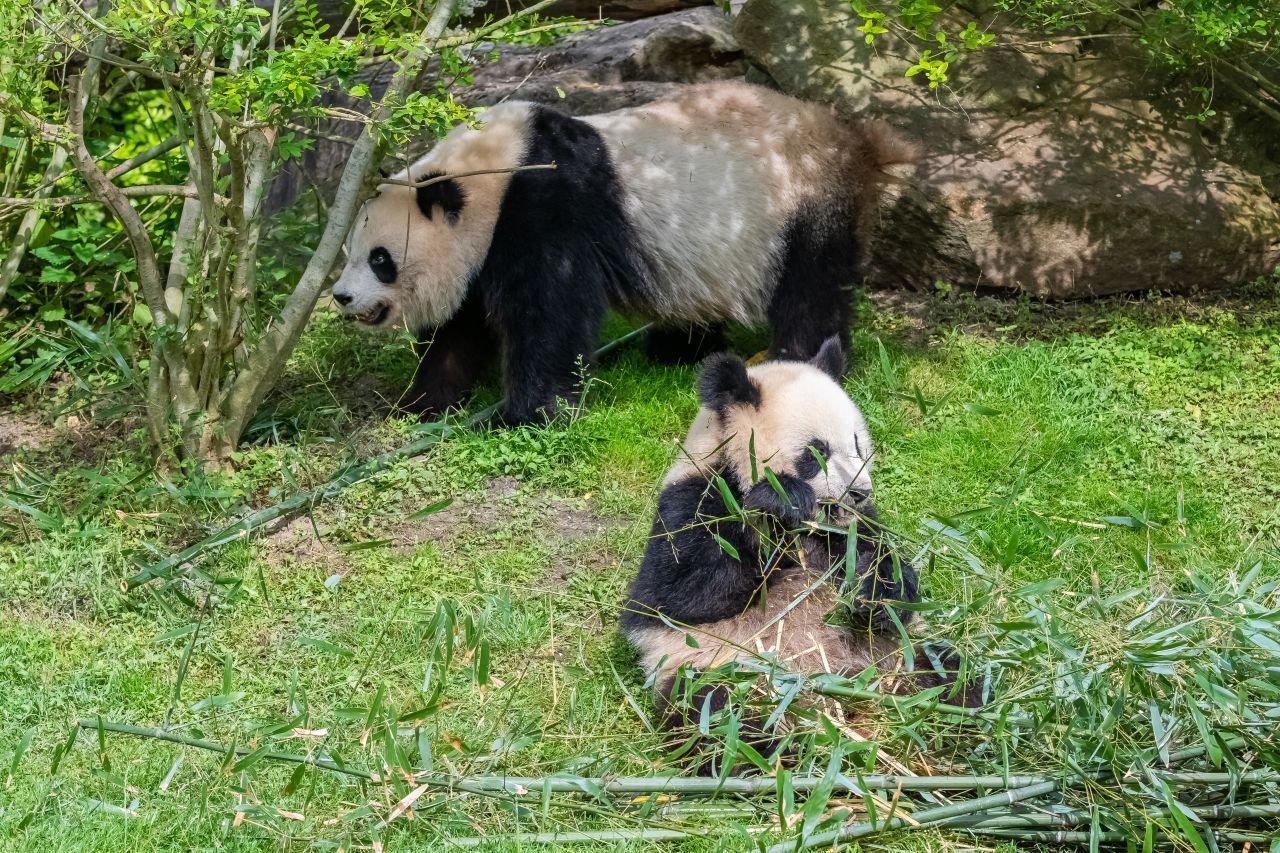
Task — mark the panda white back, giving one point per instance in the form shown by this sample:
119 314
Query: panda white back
713 176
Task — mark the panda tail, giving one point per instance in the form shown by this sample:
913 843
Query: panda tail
874 149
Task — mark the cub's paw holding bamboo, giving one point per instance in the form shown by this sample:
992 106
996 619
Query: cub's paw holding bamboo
748 561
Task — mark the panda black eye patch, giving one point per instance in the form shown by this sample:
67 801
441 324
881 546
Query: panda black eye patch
813 459
384 269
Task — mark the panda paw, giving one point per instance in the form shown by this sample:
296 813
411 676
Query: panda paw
429 405
797 507
508 419
882 581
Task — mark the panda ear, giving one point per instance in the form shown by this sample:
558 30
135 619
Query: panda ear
830 358
724 382
446 194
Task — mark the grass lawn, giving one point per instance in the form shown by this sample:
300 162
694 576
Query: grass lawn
1117 445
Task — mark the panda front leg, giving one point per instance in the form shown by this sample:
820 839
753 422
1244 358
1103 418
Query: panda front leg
547 338
453 359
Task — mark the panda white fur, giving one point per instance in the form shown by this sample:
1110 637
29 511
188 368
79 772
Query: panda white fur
725 203
802 426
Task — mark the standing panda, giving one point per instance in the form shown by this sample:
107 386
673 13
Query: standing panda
709 573
724 203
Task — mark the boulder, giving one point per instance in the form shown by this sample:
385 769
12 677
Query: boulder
1057 171
589 72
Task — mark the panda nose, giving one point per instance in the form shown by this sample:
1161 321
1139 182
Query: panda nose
342 299
859 496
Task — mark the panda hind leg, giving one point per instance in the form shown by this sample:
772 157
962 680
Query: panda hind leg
883 580
810 301
680 705
966 693
684 344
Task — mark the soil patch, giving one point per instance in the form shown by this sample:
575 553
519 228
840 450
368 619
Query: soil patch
499 505
23 432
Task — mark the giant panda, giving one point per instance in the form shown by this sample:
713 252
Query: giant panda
764 581
726 202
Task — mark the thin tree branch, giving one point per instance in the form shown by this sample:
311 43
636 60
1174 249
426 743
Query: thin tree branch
400 182
141 191
47 132
1262 106
30 221
118 202
489 29
265 362
155 151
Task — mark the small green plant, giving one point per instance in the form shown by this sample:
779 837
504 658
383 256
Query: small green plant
242 87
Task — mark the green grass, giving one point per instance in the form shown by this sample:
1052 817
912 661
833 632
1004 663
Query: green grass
1117 445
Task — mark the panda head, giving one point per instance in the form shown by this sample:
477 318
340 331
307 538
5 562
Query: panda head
411 255
796 420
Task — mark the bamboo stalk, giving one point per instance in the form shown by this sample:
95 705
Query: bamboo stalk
210 746
580 837
698 785
1047 836
1076 817
303 501
1084 836
964 816
626 785
1219 778
841 692
918 819
300 502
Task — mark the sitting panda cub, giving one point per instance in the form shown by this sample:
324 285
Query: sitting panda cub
723 203
708 574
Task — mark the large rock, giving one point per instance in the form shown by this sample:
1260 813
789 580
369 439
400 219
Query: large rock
1054 171
590 72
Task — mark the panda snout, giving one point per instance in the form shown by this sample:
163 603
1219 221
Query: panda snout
858 496
366 313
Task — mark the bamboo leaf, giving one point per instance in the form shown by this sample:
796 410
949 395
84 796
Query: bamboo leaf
431 509
726 546
326 646
24 743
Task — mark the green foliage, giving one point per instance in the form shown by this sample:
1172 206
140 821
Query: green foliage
922 22
1202 38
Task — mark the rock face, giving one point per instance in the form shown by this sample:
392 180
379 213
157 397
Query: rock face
1058 173
597 71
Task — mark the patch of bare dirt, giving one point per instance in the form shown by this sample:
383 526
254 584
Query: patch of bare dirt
23 432
297 539
501 504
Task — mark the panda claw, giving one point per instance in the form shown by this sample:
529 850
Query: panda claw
798 507
882 586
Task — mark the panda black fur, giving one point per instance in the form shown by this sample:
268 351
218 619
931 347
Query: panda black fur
724 203
791 413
